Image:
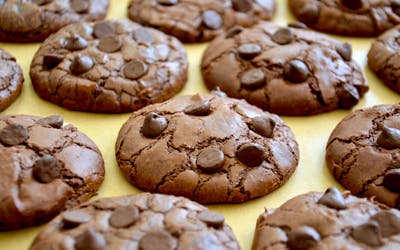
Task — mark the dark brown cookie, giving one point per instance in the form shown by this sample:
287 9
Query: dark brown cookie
288 71
199 21
139 222
110 66
34 20
208 148
11 79
348 17
329 220
46 167
363 153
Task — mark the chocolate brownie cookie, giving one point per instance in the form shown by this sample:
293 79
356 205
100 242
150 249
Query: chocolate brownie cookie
46 167
34 20
288 71
208 148
363 153
330 220
111 66
199 21
143 221
11 79
348 17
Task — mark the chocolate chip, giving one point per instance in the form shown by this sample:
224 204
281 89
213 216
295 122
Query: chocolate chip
80 6
283 36
263 126
210 160
110 44
389 222
103 29
81 64
41 2
348 96
211 218
234 31
396 8
303 238
295 71
217 91
124 216
72 219
298 25
13 134
251 154
135 69
90 239
54 121
333 198
75 42
143 35
160 240
47 169
242 5
389 138
392 180
368 233
199 109
153 125
249 50
212 19
167 2
344 50
352 4
252 79
309 13
51 61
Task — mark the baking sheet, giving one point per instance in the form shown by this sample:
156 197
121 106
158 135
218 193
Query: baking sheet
311 132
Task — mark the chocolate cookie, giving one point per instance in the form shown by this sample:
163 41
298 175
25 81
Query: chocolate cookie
208 148
46 167
288 71
363 153
199 21
11 79
348 17
330 220
110 66
34 20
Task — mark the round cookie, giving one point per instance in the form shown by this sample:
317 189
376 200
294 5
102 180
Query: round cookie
330 220
46 167
111 66
348 17
34 20
363 153
199 21
287 71
384 56
208 148
11 79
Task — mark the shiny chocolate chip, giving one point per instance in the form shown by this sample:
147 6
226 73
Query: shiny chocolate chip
389 222
54 121
348 96
199 109
74 218
143 35
344 50
251 154
81 64
41 2
309 13
303 238
295 71
80 6
210 160
103 29
167 2
368 233
90 239
242 5
212 20
252 79
110 44
153 125
352 4
263 126
234 31
51 61
124 217
46 169
392 180
298 25
389 138
211 218
333 198
160 240
283 36
249 50
13 134
135 69
75 42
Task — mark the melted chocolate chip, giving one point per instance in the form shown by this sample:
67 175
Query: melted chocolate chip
389 138
135 69
298 25
51 61
392 180
250 154
167 2
252 79
368 233
242 5
153 125
344 50
13 134
249 50
295 71
90 239
263 126
283 36
54 121
210 160
309 13
333 198
303 238
212 20
75 42
47 169
81 64
80 6
103 29
352 4
212 219
234 31
41 2
72 219
348 96
143 35
389 222
160 240
124 217
199 109
110 44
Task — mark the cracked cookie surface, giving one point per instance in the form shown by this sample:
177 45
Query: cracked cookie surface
34 20
208 148
287 71
110 66
348 17
199 21
143 221
46 167
363 153
313 221
11 79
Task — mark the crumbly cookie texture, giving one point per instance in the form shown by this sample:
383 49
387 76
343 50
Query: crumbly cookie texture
46 167
363 153
284 70
199 21
11 79
144 221
208 148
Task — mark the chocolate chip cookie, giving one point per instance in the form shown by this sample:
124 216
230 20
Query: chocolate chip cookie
110 66
34 20
46 167
143 221
199 21
208 148
363 153
11 79
284 70
330 220
348 17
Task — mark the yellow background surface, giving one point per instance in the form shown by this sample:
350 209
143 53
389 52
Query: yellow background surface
311 133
